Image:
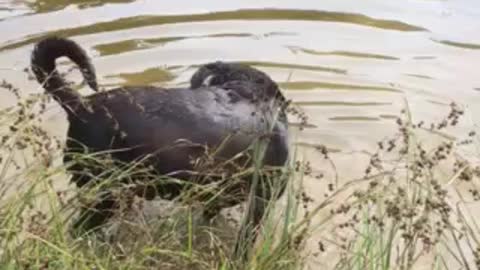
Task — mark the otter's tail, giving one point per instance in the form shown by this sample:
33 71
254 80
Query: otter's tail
43 66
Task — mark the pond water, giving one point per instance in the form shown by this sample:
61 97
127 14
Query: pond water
351 66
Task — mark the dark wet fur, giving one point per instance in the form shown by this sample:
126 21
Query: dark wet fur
234 76
140 121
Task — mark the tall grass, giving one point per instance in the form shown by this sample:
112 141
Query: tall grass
409 214
37 207
410 209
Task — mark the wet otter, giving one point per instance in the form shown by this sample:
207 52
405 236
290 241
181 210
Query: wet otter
165 128
230 75
243 81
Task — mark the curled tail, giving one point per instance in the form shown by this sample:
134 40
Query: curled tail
43 66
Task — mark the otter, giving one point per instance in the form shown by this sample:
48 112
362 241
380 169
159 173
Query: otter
164 128
230 75
247 82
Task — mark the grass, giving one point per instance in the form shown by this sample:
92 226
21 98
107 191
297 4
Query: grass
37 207
409 209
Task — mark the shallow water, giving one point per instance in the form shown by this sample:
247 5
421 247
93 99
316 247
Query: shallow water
351 67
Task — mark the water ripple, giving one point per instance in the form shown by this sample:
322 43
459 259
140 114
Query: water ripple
243 14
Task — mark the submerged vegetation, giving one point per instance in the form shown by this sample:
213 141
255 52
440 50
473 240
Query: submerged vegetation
406 211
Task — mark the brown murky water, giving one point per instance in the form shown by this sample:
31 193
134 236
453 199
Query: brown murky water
351 66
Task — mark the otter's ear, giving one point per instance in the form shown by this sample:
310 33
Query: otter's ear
208 80
199 76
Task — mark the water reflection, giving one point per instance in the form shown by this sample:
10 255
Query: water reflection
147 77
459 44
246 14
309 85
346 54
53 5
